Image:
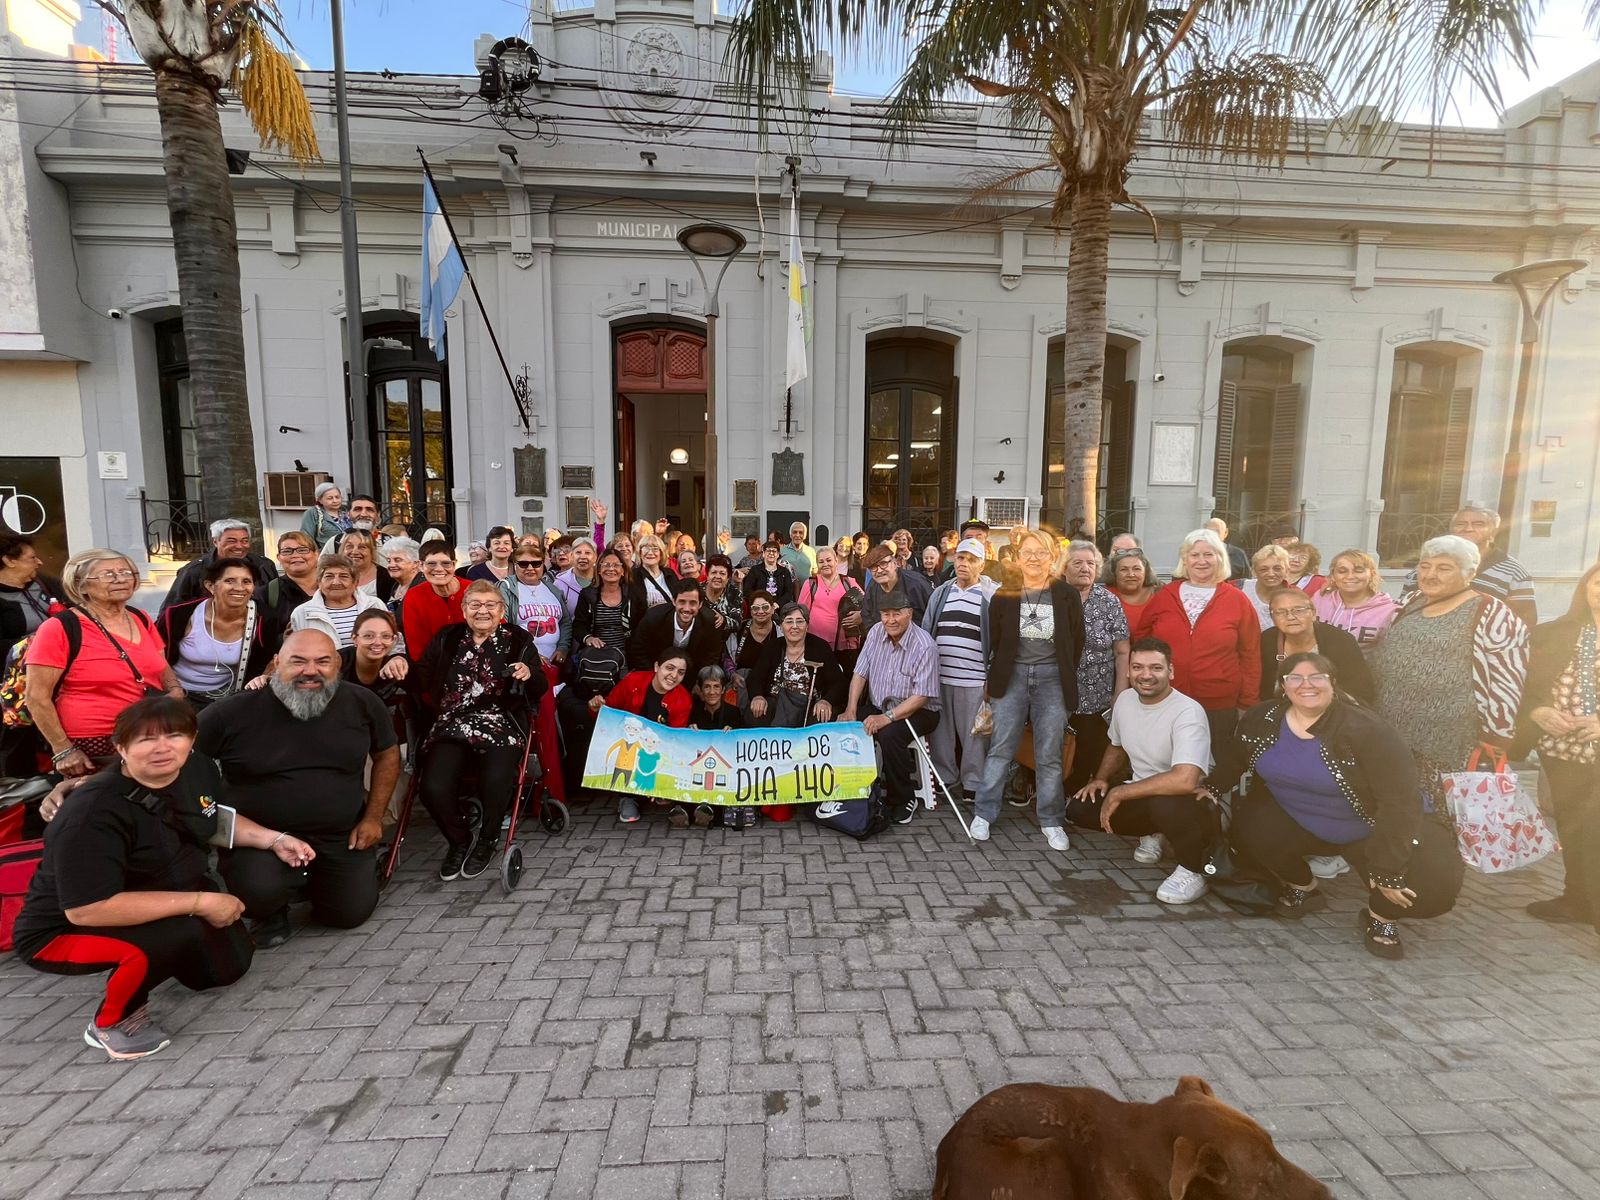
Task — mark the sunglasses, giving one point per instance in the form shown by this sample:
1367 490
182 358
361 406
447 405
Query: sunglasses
530 562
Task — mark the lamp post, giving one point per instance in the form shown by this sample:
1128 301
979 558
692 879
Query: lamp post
1535 282
354 329
714 243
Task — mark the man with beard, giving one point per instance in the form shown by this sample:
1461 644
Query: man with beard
293 754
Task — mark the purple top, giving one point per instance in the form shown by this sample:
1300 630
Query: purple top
1305 789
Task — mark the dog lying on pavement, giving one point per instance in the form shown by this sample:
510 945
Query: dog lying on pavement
1032 1141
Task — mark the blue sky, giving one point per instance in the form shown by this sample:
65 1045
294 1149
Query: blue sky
436 36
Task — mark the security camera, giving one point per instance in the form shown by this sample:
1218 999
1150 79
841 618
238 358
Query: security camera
116 314
1159 377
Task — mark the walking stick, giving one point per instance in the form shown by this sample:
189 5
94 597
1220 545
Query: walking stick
933 773
810 691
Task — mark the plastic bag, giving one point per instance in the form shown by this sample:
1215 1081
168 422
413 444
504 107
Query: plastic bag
983 721
1498 826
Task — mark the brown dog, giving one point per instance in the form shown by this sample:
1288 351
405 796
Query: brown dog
1032 1141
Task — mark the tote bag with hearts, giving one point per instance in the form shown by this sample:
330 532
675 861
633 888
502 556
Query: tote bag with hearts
1498 825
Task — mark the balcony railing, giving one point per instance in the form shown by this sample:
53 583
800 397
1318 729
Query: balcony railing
1251 531
1400 535
175 529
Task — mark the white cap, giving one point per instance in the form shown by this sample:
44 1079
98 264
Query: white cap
970 546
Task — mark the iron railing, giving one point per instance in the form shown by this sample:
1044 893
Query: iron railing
1400 535
175 529
1251 531
417 517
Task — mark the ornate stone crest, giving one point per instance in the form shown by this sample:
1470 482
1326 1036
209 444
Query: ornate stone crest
655 78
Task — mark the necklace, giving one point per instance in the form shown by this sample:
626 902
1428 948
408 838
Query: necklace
216 644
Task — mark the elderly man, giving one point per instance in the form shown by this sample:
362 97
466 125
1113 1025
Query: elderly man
958 619
1499 575
230 540
800 558
363 515
978 531
896 686
883 565
1238 560
1123 541
293 754
686 626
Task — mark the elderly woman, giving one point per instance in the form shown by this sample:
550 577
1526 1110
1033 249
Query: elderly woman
1271 567
1304 559
402 559
652 579
326 518
1132 580
796 678
1354 599
502 540
931 567
435 600
1036 643
1451 669
1296 630
610 610
27 598
361 548
337 603
126 883
217 644
771 577
904 547
1213 631
830 596
471 671
85 665
1560 715
722 603
1332 778
1103 669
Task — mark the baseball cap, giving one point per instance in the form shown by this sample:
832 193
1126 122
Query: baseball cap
970 546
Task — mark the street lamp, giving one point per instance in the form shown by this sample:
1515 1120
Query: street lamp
711 242
1535 282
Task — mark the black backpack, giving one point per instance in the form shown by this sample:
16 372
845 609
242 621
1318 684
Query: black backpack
861 819
599 669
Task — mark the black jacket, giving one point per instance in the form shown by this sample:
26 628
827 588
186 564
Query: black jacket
653 635
190 582
1334 644
913 583
1550 648
431 669
583 619
756 581
1005 630
14 622
831 681
1371 764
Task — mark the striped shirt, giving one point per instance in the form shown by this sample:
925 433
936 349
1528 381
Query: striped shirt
959 637
895 671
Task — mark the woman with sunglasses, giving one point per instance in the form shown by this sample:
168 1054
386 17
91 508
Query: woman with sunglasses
1332 778
535 604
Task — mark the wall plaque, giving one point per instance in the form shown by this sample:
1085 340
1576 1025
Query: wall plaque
533 527
577 478
533 506
577 512
743 527
528 464
788 473
745 495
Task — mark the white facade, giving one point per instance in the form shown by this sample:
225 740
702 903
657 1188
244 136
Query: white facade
1336 266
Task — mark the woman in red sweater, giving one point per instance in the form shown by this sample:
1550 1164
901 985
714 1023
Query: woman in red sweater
1213 631
430 606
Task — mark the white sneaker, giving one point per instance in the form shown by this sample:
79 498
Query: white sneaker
1057 837
1148 851
979 828
1328 867
1183 886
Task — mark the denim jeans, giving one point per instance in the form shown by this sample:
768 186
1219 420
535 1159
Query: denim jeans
1034 693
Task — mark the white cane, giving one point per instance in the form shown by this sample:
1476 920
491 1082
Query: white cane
933 773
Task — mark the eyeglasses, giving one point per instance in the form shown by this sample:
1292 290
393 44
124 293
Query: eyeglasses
529 563
1035 555
294 552
1316 680
483 606
112 576
1293 612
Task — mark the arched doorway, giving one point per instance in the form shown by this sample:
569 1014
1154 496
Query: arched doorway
1260 419
910 436
408 398
660 372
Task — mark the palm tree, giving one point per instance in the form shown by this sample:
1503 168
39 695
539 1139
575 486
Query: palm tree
197 49
1095 78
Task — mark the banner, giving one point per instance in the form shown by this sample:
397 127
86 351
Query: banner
737 767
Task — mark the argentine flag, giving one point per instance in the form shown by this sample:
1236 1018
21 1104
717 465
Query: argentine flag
797 369
442 268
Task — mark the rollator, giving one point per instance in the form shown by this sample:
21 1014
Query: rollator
530 797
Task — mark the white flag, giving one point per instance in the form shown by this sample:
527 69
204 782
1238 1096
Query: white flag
797 301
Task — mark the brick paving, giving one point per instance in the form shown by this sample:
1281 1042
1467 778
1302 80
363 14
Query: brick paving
787 1013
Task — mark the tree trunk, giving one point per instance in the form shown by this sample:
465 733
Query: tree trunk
1084 350
205 241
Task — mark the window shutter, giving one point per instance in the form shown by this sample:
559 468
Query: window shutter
1281 467
1222 474
1117 470
1453 467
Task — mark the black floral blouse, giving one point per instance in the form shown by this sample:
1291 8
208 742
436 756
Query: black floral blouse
472 704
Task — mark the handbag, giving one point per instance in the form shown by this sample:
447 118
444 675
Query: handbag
1236 886
1498 826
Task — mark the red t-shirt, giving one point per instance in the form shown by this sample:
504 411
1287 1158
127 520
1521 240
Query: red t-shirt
98 685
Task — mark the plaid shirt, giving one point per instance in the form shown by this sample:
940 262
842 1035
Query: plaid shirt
896 671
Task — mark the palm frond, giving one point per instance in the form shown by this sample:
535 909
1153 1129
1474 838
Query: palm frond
1246 106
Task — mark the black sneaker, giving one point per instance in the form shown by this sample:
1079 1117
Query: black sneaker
678 818
477 861
450 868
907 815
272 931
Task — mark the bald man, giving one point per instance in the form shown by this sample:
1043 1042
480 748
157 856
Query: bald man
294 753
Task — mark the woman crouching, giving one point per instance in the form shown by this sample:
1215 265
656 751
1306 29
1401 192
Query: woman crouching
127 883
1332 777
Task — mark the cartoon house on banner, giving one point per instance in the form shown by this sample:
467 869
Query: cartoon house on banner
709 770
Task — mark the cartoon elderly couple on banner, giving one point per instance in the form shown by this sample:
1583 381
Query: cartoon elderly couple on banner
638 755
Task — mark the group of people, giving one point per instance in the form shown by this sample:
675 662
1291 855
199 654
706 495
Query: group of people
282 694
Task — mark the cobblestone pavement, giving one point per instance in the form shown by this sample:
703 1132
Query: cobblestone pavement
787 1013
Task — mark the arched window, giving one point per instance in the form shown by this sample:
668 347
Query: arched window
910 435
409 399
1260 412
1425 451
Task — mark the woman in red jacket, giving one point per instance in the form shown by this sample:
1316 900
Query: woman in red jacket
1213 631
657 696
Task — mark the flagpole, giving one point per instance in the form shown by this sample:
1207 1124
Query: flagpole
361 476
516 391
